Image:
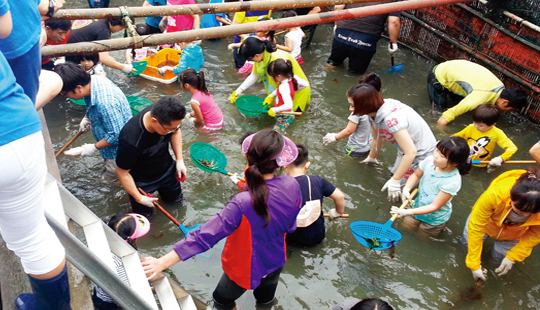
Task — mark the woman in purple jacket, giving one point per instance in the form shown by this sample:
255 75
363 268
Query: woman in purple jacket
255 222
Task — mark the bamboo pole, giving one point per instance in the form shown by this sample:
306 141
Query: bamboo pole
203 8
218 32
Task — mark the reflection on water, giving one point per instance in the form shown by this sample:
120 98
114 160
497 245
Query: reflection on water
426 272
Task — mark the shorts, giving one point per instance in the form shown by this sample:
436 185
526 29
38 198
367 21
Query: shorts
412 222
109 170
414 165
283 121
227 291
168 187
299 59
358 59
353 151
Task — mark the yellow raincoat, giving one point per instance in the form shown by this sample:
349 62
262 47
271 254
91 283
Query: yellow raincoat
301 97
488 215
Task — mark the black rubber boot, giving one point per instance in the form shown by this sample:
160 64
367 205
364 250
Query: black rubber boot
49 294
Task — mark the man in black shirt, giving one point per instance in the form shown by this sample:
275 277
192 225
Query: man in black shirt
93 30
143 159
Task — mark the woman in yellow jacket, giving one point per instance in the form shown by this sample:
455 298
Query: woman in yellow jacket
508 211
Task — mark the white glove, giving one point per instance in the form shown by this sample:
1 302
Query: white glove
494 163
188 118
181 167
505 266
84 150
400 212
334 29
329 138
128 69
161 71
394 189
479 274
370 160
406 194
333 214
239 92
234 178
84 126
147 201
393 48
59 61
230 47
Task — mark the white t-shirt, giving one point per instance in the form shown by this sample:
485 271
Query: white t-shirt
296 37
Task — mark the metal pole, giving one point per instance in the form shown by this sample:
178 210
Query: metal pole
202 8
210 33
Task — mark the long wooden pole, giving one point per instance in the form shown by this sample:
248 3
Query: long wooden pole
210 33
203 8
68 143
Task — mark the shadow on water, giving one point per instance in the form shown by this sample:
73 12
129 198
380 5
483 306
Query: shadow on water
424 273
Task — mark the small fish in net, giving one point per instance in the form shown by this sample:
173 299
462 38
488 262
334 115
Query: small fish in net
373 243
207 163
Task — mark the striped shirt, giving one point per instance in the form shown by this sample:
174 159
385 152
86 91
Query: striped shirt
121 272
108 109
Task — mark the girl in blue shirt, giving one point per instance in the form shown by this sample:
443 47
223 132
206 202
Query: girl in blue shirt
440 180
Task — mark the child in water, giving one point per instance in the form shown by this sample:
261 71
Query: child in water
293 39
281 71
191 57
482 137
440 180
205 109
129 227
359 128
311 231
138 54
91 64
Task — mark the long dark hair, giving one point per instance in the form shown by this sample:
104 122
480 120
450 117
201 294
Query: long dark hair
261 154
526 191
124 226
282 67
366 99
372 79
191 77
457 151
271 33
253 46
372 304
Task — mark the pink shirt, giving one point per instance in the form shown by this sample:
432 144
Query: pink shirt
213 117
180 22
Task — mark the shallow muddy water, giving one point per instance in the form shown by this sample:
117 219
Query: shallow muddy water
425 273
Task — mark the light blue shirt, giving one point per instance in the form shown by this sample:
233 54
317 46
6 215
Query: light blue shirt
108 109
26 27
191 57
209 20
431 183
152 20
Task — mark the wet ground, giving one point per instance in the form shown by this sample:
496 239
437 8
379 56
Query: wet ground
425 273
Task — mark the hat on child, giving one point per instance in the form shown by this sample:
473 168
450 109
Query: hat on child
287 155
142 225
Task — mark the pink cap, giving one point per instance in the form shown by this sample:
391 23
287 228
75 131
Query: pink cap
288 153
142 225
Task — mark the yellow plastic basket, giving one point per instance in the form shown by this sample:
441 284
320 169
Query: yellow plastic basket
165 57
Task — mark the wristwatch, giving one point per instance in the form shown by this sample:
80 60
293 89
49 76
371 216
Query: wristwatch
52 5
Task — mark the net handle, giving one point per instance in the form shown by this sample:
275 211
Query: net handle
404 204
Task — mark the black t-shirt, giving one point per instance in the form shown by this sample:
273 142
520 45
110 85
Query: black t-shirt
145 154
372 25
314 233
89 30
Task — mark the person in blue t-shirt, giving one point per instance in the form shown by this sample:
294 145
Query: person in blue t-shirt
216 19
357 38
153 21
23 225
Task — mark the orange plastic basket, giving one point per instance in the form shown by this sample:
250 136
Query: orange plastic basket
165 57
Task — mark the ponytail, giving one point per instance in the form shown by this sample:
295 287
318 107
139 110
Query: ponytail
253 46
525 193
264 147
457 151
282 67
194 78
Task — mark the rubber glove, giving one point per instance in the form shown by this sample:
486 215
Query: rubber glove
370 160
234 178
406 194
479 274
333 214
147 200
163 25
329 138
237 93
230 47
400 212
393 48
188 118
181 167
269 100
271 112
494 163
84 150
394 189
84 126
505 266
128 69
161 71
